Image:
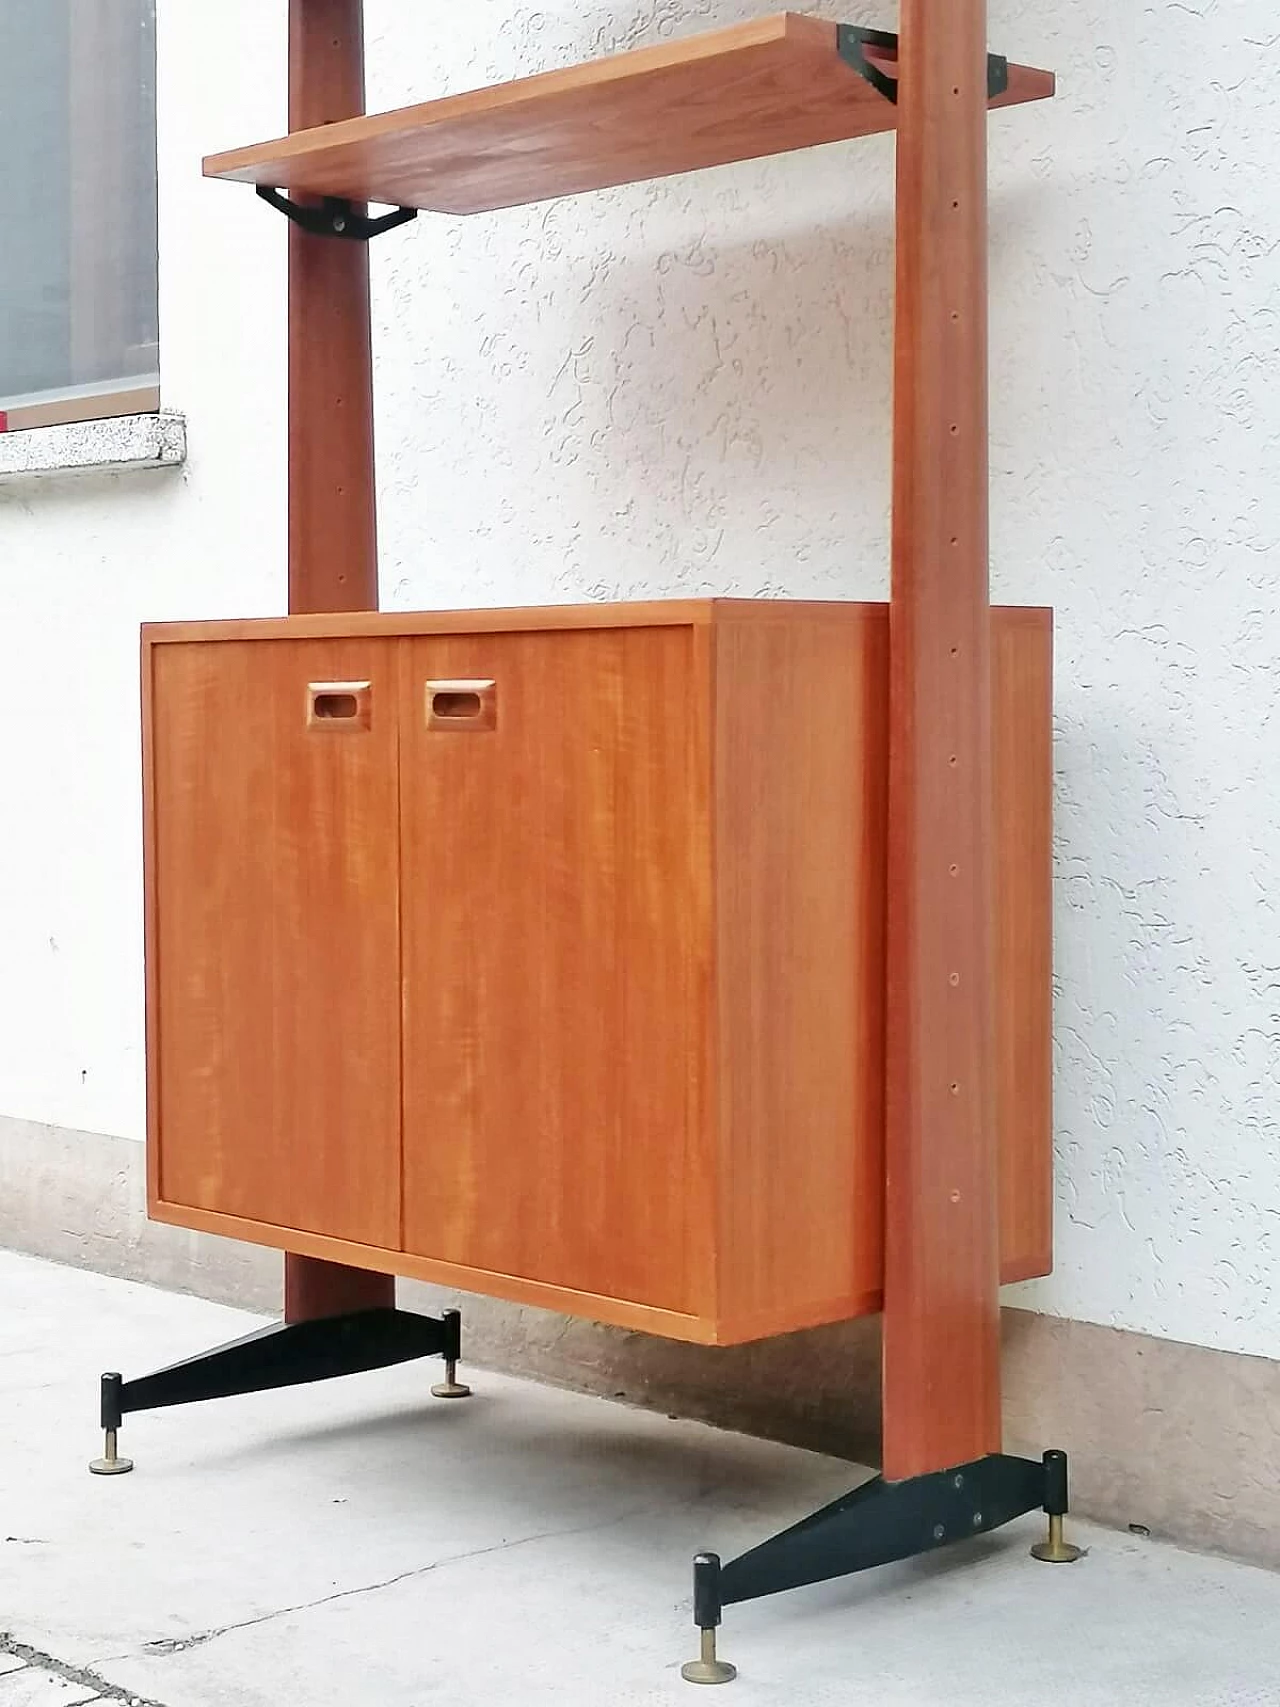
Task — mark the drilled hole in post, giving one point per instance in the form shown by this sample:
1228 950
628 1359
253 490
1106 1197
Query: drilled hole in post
955 1088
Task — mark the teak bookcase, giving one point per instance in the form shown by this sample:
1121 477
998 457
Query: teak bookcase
688 965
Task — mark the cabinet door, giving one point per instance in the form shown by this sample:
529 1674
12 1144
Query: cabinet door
274 933
555 874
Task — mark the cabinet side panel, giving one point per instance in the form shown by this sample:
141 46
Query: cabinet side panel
274 947
556 962
800 767
1022 718
151 956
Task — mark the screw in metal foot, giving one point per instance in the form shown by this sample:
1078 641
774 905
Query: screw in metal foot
708 1607
451 1351
451 1387
110 1418
111 1463
707 1668
1057 1550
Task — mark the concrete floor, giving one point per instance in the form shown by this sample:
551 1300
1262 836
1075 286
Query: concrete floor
360 1543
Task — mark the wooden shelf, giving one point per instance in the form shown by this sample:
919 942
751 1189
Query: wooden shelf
766 87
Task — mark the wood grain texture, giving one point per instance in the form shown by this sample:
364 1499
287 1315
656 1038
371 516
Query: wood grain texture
273 950
322 1251
941 1326
150 921
1022 724
764 87
528 619
644 963
316 1287
556 880
668 613
333 546
800 830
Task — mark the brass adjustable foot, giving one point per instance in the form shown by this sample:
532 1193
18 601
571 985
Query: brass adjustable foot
111 1463
451 1387
707 1608
708 1669
112 1414
1057 1550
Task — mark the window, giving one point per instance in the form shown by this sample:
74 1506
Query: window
78 290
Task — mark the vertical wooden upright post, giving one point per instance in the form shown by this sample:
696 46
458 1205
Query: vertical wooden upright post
941 1322
333 547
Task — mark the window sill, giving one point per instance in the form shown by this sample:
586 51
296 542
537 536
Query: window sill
111 446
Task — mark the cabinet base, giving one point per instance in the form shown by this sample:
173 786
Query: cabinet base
878 1524
287 1354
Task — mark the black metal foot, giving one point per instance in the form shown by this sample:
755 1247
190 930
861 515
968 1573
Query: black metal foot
288 1354
707 1607
882 1522
111 1463
1055 1549
451 1351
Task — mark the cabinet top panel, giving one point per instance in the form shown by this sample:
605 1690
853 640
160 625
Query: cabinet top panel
767 86
665 613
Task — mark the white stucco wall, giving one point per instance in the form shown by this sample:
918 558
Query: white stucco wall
684 388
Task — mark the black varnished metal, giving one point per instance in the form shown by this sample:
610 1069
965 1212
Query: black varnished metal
284 1355
707 1601
451 1336
110 1400
1055 1484
882 1522
334 216
852 40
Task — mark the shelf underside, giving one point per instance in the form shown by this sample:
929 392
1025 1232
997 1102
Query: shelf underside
766 87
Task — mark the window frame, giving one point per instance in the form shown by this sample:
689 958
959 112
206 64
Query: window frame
100 111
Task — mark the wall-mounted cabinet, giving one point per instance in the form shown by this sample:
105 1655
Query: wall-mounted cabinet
542 952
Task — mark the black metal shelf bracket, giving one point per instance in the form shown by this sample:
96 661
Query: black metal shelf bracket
286 1354
880 1523
334 216
852 42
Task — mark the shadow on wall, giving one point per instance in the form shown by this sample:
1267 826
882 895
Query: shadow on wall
1127 858
622 397
818 1389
